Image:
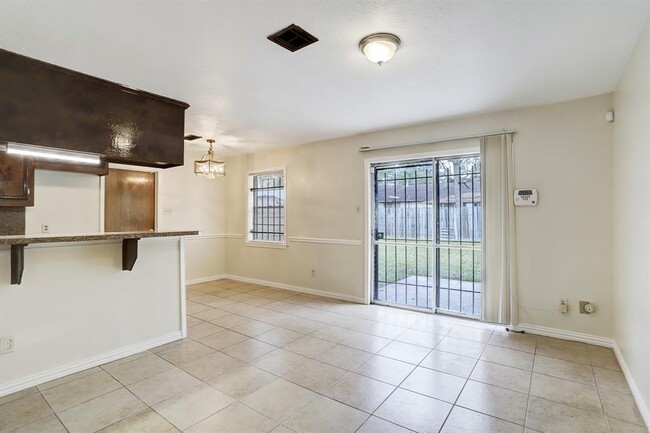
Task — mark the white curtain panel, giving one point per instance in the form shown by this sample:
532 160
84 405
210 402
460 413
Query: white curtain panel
500 303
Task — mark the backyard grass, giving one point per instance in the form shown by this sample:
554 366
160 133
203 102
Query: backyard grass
397 263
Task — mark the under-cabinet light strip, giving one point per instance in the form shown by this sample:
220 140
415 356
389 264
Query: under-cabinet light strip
55 154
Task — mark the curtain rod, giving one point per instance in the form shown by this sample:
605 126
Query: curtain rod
437 140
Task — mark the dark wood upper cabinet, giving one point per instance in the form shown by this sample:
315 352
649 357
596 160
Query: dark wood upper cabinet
47 105
16 180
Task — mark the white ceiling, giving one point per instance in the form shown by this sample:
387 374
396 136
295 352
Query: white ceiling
458 57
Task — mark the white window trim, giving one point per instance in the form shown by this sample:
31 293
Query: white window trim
249 210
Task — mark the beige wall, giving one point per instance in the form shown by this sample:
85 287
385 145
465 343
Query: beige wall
66 202
564 244
632 217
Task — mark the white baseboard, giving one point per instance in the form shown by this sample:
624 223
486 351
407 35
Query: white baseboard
566 335
323 293
94 361
640 402
205 279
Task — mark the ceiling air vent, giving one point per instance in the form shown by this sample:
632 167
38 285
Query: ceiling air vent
292 38
191 137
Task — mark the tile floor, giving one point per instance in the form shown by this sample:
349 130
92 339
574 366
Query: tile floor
264 360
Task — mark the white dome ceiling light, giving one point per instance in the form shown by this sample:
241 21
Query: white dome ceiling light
380 47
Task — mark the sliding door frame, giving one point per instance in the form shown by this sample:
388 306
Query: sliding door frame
369 201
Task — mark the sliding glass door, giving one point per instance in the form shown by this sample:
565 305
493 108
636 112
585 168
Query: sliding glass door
426 245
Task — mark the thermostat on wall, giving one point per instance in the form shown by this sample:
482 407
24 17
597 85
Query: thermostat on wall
525 197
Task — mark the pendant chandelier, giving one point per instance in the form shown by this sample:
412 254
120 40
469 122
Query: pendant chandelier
208 166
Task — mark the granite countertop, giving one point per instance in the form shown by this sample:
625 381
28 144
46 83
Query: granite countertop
42 239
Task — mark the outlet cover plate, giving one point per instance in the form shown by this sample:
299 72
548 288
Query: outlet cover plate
7 345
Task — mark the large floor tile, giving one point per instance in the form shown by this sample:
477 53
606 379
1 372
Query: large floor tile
51 424
345 357
248 350
279 399
563 349
101 412
566 392
616 426
146 421
611 379
139 369
501 375
242 381
304 326
335 334
550 417
361 392
491 400
315 375
405 352
253 328
621 406
367 342
449 363
236 418
564 370
75 376
23 411
194 405
378 425
461 347
523 342
188 351
163 385
17 395
463 420
509 357
473 334
203 330
72 393
385 369
436 384
223 339
324 415
309 346
280 361
414 411
279 336
211 366
420 338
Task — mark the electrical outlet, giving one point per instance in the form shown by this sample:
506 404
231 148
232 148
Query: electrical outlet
168 211
313 273
564 305
45 228
7 345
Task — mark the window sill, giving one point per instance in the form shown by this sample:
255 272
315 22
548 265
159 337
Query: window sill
261 244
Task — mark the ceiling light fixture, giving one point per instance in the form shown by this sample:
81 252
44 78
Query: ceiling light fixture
55 154
208 166
380 47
